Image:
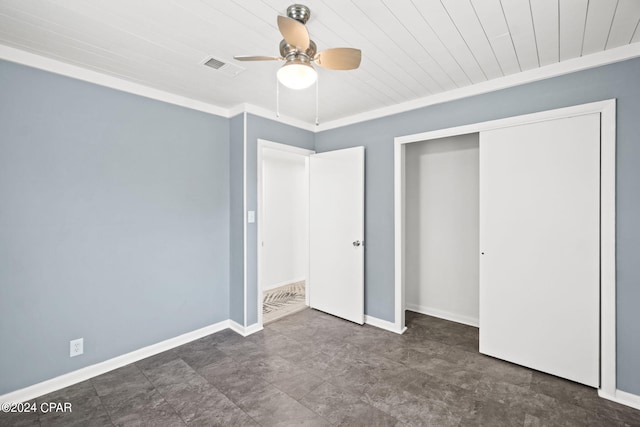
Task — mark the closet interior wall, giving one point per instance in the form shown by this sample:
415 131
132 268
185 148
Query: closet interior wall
442 227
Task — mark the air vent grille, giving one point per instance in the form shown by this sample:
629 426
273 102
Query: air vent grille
226 68
214 63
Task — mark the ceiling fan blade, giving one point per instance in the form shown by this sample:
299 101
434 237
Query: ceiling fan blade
256 58
294 32
339 58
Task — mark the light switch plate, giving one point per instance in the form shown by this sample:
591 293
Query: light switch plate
251 216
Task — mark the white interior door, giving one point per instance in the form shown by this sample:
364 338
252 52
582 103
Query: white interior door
539 243
336 233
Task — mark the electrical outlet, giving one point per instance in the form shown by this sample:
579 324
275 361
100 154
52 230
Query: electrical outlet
76 347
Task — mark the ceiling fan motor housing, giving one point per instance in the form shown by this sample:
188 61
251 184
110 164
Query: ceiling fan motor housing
299 12
289 52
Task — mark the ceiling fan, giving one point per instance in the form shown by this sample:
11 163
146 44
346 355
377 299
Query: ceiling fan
299 52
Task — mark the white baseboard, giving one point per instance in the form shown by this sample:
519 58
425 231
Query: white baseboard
236 327
383 324
83 374
622 397
442 314
252 329
244 331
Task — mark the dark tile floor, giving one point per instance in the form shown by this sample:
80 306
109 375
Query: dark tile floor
313 369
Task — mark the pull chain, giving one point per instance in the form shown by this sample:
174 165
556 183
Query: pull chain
277 97
317 84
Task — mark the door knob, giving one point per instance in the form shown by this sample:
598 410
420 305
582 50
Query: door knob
357 243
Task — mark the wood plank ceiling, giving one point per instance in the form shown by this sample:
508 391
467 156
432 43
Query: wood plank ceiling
411 48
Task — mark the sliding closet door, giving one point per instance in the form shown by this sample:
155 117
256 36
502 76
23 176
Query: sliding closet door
539 243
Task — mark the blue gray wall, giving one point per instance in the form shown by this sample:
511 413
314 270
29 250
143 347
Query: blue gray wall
261 128
236 206
619 81
114 223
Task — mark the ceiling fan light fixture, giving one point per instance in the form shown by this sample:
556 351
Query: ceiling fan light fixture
297 74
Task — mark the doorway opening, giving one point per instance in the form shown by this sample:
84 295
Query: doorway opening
311 228
283 230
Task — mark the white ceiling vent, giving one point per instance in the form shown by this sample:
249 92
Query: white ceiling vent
226 68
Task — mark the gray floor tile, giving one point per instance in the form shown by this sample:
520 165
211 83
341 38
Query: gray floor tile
149 409
363 370
199 355
203 402
273 368
223 417
321 364
516 396
19 419
356 380
270 407
411 409
275 343
341 407
225 336
73 420
232 380
242 351
384 395
221 370
566 415
584 397
311 368
490 413
496 370
157 360
628 415
451 372
74 392
122 383
86 407
87 410
416 357
299 385
436 388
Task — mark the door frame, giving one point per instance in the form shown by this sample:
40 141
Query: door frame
270 145
607 110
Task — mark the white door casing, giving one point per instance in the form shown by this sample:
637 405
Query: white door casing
336 233
540 246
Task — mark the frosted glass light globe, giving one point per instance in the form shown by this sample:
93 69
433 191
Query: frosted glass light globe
297 75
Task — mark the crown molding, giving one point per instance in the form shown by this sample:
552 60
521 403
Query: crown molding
611 56
58 67
271 115
74 71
